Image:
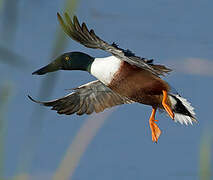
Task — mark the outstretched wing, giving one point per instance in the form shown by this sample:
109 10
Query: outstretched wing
86 99
81 34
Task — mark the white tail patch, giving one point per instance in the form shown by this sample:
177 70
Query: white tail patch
180 116
183 119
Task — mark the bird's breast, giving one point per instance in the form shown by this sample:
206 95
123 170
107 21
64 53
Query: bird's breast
105 69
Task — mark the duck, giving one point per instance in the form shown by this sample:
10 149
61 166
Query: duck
122 78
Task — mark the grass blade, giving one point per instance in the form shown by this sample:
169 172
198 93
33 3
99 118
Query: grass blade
205 157
9 57
46 89
4 97
1 4
79 145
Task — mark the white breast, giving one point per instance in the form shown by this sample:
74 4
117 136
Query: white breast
105 68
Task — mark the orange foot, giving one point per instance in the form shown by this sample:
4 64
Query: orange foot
166 107
156 132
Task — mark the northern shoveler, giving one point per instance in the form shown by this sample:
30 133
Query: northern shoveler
123 78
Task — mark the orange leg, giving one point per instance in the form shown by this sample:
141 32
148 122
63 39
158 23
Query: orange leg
166 107
154 127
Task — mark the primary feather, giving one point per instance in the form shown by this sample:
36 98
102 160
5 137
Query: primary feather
88 38
90 97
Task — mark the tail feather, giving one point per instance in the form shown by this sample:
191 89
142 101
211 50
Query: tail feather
184 112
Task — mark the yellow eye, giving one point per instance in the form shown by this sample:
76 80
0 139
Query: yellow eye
67 58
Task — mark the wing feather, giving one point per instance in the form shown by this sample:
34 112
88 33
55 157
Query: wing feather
88 38
86 99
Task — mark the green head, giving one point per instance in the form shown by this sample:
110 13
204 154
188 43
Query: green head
68 61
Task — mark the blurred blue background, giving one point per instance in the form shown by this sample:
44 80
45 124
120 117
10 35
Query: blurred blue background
176 33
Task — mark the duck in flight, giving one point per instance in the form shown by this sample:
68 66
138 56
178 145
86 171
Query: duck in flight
122 78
